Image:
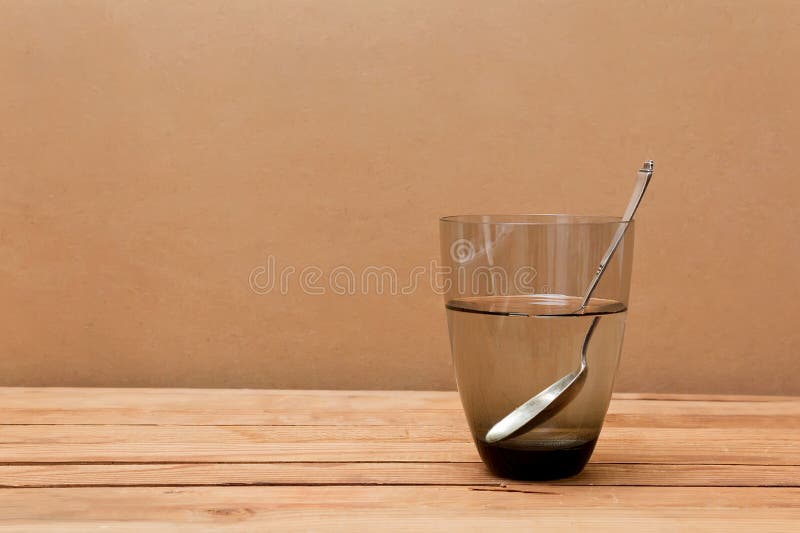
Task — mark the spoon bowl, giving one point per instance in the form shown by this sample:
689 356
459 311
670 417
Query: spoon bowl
547 403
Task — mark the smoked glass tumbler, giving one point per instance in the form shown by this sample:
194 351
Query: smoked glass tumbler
513 287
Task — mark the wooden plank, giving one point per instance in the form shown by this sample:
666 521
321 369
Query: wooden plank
86 475
246 407
668 475
79 396
453 418
789 407
199 399
65 443
471 508
233 416
653 420
226 406
675 397
427 520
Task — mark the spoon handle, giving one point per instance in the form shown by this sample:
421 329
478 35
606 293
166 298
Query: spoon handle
642 180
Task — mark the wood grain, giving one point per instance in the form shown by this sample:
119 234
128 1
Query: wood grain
129 459
396 508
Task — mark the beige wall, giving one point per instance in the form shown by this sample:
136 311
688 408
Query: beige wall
153 153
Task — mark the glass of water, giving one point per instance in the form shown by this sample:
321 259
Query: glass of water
513 287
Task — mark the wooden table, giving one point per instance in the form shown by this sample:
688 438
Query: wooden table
254 460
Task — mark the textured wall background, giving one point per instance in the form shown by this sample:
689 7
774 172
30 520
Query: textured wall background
152 154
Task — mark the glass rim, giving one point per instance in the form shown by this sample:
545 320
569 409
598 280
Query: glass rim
534 219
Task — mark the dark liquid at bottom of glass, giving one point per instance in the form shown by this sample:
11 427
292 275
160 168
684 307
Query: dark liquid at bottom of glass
536 464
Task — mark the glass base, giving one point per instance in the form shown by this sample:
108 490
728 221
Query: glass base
536 464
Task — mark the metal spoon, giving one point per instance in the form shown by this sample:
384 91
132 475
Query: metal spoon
555 397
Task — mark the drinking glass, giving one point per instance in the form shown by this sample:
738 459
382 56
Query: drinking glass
513 286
